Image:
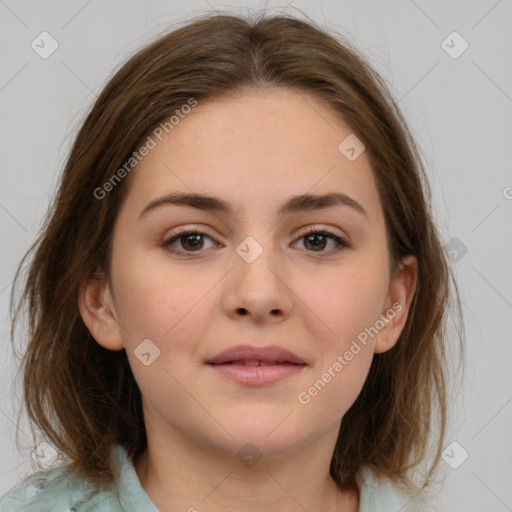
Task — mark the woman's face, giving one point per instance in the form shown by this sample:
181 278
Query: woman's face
252 276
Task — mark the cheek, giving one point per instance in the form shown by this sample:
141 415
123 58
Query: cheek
168 308
349 302
153 300
346 352
167 311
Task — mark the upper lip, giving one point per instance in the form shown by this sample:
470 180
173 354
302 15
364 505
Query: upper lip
267 354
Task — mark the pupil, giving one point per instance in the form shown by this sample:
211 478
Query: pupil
311 237
196 237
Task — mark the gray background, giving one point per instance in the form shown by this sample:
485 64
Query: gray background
459 109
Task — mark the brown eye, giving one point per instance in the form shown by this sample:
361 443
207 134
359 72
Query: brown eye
317 240
189 241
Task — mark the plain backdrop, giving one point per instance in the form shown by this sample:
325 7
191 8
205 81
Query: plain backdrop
457 101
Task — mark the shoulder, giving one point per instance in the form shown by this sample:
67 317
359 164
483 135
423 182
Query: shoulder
381 494
57 490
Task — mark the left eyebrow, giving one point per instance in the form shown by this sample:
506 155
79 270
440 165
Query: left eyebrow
303 202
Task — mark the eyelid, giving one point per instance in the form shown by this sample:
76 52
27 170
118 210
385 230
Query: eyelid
301 232
332 230
319 227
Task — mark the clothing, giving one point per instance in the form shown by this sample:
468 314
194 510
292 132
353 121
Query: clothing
59 490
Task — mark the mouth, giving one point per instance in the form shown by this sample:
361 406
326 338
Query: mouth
254 355
257 366
257 362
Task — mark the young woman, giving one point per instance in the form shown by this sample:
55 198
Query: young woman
238 301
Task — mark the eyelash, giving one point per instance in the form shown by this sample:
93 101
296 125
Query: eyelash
341 243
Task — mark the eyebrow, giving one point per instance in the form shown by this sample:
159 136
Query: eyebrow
300 203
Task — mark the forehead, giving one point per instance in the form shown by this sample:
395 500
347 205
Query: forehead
252 147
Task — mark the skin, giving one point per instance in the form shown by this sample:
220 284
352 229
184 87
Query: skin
254 150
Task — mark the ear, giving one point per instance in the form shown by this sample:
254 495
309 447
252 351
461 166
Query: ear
397 303
98 312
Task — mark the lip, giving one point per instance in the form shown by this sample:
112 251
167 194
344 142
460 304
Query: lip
268 354
242 364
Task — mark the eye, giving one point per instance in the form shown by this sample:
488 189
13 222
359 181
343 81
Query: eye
315 238
318 238
190 240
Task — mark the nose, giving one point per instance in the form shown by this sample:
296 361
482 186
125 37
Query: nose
257 285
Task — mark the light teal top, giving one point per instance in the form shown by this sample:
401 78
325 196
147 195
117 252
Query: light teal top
59 490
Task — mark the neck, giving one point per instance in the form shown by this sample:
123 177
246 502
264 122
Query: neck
188 478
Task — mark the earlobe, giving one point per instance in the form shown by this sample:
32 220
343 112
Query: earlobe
97 311
397 304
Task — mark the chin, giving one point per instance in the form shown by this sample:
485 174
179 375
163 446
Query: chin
270 435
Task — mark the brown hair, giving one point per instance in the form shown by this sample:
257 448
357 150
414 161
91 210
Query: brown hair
83 397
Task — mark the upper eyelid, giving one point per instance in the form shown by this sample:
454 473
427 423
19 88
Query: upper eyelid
340 239
301 232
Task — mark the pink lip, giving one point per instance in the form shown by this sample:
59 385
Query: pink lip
258 375
232 364
269 354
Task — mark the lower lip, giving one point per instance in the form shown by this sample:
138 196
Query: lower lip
258 375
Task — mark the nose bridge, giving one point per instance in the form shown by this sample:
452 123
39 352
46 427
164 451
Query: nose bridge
257 236
256 257
257 245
